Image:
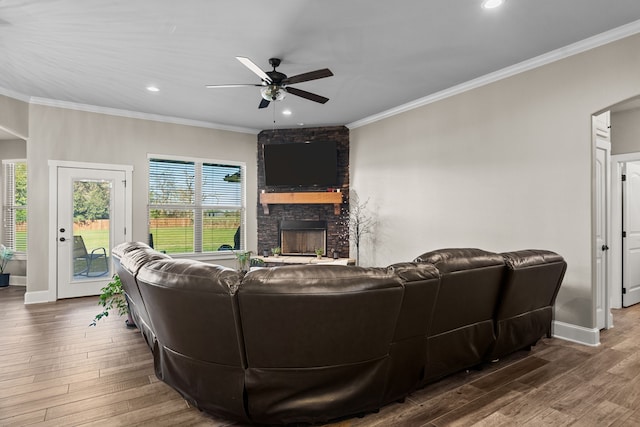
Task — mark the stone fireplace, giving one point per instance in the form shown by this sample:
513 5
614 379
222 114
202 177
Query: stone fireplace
303 237
270 221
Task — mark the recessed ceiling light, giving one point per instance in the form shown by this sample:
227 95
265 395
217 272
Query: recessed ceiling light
286 112
492 4
152 89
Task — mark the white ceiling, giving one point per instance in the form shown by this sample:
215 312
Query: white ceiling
383 54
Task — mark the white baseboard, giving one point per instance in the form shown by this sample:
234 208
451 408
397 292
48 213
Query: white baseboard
37 297
575 333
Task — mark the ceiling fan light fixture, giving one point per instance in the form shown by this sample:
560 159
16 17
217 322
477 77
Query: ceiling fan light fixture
273 93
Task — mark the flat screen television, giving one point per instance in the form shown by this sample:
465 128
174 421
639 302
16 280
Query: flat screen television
301 164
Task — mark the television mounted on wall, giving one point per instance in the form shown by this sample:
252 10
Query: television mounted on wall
309 164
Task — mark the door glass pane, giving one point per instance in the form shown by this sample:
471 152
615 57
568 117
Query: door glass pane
91 228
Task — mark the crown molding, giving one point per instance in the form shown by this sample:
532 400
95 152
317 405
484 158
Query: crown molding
530 64
122 113
13 94
137 115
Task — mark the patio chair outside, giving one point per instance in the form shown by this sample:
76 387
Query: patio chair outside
96 263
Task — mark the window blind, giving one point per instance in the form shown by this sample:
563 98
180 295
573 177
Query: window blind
195 206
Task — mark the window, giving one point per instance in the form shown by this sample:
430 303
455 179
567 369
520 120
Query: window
196 205
15 204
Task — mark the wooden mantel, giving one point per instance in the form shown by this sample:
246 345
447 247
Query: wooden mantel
308 198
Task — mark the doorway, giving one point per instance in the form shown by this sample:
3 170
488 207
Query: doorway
92 215
624 206
630 233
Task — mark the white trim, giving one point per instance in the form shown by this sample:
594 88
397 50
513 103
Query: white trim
138 115
15 95
195 159
575 333
85 165
530 64
37 297
52 284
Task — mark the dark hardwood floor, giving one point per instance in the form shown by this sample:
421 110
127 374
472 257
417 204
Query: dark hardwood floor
55 370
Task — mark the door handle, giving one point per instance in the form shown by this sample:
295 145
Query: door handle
605 247
62 239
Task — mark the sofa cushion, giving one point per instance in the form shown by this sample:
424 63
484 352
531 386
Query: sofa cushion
317 339
525 310
459 259
193 308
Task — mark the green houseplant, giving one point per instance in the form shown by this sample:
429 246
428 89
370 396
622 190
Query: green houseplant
319 252
276 251
112 298
6 254
244 260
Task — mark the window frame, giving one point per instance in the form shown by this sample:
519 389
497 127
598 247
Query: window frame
199 205
10 205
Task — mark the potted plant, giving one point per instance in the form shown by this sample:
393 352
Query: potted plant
244 260
361 222
276 251
5 256
319 252
112 298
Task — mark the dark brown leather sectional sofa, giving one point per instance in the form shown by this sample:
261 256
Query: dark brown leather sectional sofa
312 343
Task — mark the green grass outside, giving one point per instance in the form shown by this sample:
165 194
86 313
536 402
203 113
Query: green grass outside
95 239
21 241
180 239
168 239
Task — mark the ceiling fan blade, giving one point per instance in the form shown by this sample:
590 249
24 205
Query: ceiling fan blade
231 85
263 103
253 67
305 77
306 95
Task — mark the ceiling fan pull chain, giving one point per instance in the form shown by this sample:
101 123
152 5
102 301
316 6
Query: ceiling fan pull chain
274 115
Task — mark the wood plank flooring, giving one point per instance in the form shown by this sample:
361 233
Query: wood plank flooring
55 370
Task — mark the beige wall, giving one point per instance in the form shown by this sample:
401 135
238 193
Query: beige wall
70 135
625 132
14 116
503 167
13 149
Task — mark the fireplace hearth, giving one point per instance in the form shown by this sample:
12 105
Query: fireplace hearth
303 237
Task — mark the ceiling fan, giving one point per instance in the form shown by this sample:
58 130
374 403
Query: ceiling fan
275 85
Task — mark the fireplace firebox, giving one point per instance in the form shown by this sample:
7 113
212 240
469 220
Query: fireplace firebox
303 237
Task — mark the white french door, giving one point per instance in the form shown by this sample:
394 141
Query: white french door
91 219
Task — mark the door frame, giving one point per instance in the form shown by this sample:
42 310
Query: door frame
617 161
53 210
